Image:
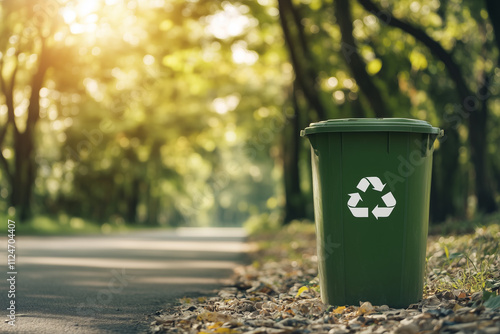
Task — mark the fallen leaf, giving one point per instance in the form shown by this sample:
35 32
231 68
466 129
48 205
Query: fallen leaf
226 330
213 317
216 325
366 308
446 252
301 291
339 310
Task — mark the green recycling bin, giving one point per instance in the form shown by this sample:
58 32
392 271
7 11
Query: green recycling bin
371 186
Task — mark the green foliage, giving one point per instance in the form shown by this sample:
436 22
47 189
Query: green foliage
460 226
284 242
173 112
493 302
467 262
264 223
64 225
406 64
158 114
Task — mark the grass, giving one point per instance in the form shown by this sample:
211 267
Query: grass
468 262
458 227
64 225
461 255
291 241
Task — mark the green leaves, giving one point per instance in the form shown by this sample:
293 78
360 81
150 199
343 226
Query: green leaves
493 302
418 61
374 66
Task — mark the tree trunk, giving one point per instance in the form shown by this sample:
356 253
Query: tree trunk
132 202
477 116
153 197
355 62
301 59
23 178
445 169
153 206
295 206
493 8
477 136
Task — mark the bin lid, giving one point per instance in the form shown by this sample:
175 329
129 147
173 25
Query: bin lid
371 125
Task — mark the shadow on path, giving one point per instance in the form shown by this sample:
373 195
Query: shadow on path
110 284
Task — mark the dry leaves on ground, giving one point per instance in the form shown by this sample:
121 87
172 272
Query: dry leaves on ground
283 297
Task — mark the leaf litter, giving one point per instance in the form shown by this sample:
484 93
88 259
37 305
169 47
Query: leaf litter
281 296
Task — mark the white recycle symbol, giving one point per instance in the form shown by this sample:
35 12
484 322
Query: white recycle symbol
378 211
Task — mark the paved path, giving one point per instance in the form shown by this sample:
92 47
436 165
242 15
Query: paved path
110 284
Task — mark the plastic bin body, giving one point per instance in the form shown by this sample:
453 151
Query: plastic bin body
371 186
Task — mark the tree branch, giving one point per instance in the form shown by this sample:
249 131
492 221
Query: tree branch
354 60
300 31
435 48
303 73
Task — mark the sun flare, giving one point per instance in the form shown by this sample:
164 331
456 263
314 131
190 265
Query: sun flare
82 15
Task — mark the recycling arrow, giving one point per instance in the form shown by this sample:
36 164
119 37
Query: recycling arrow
364 183
376 183
381 212
359 212
378 211
389 199
354 200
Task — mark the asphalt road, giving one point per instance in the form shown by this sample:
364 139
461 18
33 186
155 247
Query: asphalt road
111 284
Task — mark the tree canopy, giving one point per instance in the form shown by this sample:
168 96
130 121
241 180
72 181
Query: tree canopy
177 112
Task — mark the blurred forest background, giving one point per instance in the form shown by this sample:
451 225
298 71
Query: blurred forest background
170 112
